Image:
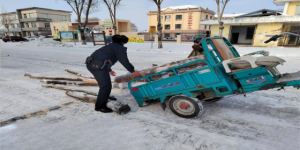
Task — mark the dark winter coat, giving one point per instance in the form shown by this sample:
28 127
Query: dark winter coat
114 52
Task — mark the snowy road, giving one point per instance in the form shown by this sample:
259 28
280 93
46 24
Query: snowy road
262 120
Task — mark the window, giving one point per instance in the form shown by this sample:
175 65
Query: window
297 10
12 25
210 17
178 17
161 18
167 35
33 25
11 17
27 25
45 15
25 15
63 18
250 32
167 27
31 15
18 25
177 26
206 17
16 16
168 18
47 25
35 33
209 27
205 27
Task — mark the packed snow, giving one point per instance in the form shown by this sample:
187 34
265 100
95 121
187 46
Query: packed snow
262 120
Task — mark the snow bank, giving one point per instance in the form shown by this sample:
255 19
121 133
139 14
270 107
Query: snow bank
54 44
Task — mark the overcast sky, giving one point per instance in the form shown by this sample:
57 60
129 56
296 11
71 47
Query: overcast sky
135 10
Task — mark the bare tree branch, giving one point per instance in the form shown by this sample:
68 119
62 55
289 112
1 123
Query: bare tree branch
79 7
6 20
112 6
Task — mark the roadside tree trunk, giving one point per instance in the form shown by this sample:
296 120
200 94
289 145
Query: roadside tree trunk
220 14
159 28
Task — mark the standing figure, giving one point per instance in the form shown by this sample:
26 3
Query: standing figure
99 64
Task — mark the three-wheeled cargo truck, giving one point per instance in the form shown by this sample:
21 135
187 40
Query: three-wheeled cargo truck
211 82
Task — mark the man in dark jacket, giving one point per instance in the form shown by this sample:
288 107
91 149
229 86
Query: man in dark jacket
99 64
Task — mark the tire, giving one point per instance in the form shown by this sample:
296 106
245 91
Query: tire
185 106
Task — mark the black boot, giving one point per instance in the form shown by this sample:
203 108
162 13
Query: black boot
112 97
104 110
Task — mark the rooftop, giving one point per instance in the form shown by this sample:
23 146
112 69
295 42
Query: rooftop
181 7
42 8
282 2
231 15
254 20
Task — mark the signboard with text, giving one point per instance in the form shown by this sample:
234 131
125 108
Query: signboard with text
66 35
152 29
99 38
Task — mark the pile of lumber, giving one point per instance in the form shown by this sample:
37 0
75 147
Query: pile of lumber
155 69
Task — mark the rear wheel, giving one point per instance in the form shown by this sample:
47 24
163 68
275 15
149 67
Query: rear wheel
185 106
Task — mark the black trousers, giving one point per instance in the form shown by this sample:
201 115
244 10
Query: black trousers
104 82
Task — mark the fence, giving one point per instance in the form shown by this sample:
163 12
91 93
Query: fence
172 36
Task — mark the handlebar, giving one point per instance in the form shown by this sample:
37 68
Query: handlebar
275 37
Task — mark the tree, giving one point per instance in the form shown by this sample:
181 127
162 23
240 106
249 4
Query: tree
159 27
112 6
133 27
86 7
6 19
220 15
90 19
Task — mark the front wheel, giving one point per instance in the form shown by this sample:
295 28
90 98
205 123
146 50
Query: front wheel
185 106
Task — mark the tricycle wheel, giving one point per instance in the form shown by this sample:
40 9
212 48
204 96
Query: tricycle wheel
185 106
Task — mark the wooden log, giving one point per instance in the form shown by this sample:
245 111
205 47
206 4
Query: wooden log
78 74
52 78
60 78
145 72
70 83
91 97
68 89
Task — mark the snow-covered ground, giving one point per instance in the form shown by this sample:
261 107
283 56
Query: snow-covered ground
262 120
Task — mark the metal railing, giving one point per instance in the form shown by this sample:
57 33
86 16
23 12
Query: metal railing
35 19
168 36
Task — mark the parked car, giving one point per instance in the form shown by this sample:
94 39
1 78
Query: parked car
13 39
30 38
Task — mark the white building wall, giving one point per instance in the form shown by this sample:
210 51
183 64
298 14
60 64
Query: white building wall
242 30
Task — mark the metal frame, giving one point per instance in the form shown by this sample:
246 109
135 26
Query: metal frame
105 42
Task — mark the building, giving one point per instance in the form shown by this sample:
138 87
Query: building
292 8
256 27
12 22
96 26
35 21
181 19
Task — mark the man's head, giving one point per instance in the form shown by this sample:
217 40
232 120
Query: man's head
120 39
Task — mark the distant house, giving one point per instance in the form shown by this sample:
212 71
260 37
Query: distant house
181 19
34 21
256 27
